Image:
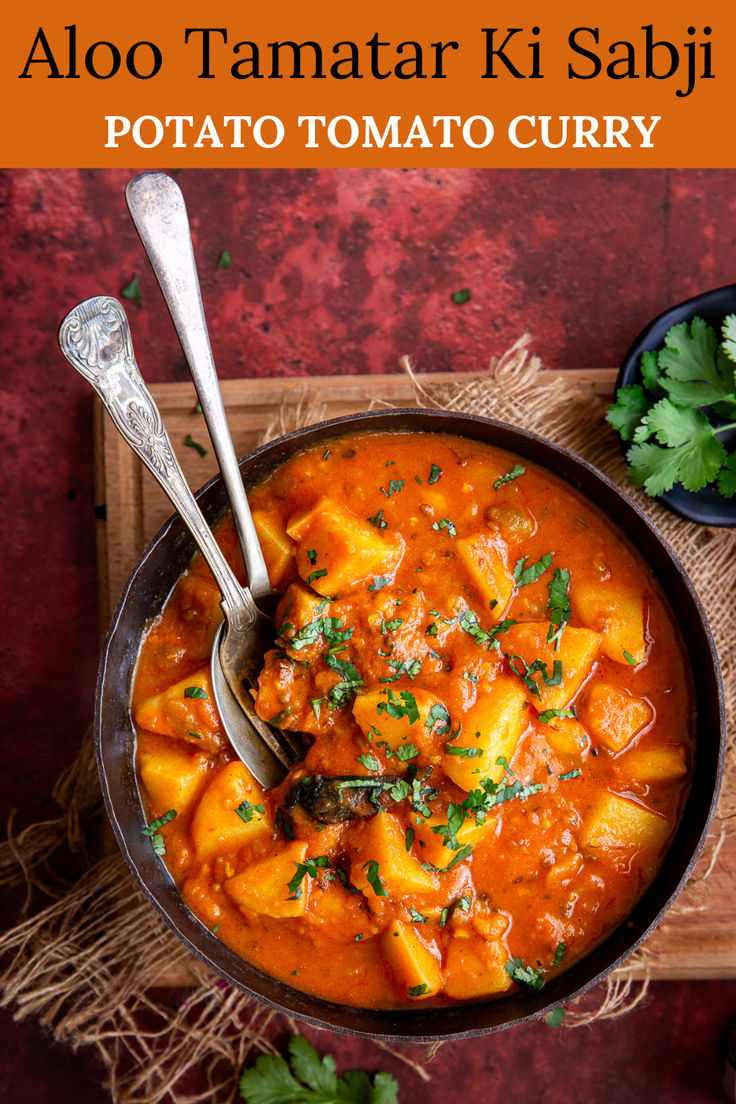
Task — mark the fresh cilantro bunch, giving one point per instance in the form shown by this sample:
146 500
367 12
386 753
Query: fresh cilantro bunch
312 1080
686 384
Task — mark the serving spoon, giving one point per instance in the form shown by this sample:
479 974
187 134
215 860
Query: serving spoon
95 339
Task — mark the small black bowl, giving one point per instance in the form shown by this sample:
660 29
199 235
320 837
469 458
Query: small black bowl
155 574
705 507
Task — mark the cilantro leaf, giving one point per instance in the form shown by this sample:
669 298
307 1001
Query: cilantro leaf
461 296
558 606
692 376
407 707
727 477
312 1080
516 471
132 291
651 373
374 877
525 575
728 332
629 409
434 475
224 260
394 486
195 692
692 455
527 976
191 443
555 1017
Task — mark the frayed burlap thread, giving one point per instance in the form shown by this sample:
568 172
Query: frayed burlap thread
88 963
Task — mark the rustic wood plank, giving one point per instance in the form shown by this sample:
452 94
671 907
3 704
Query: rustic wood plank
693 944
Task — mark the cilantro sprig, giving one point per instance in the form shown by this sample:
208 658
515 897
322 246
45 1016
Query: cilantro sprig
308 1078
675 417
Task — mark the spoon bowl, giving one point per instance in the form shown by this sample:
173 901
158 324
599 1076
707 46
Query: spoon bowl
704 507
95 339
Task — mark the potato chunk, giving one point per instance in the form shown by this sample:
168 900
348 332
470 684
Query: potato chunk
396 731
657 764
414 963
493 725
613 715
171 774
182 712
264 886
484 561
617 614
576 653
567 737
616 824
476 968
331 538
278 550
216 826
382 841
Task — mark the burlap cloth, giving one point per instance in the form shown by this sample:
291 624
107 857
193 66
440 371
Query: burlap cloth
89 959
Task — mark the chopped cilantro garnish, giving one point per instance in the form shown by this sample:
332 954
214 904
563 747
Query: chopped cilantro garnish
379 581
342 691
560 953
153 831
462 854
374 878
195 692
629 659
434 474
528 976
378 520
549 714
558 606
405 752
312 556
516 471
369 762
196 735
157 824
417 916
315 703
310 867
399 791
502 761
461 296
432 629
224 260
191 443
245 811
570 774
438 714
463 752
315 575
445 523
409 838
525 575
282 821
417 990
132 291
326 454
392 707
395 485
391 626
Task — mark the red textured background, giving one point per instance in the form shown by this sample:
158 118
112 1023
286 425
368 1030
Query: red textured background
332 272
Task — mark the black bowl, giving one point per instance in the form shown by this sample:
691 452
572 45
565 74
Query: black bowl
706 507
169 554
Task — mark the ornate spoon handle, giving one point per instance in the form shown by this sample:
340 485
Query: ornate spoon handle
160 216
95 339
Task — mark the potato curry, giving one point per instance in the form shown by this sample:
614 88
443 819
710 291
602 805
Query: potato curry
496 712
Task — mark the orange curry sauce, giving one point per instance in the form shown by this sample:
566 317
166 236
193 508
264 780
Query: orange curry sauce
483 658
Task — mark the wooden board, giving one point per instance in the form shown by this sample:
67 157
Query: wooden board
695 944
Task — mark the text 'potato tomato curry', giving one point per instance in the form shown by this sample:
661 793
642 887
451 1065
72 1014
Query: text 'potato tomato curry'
498 716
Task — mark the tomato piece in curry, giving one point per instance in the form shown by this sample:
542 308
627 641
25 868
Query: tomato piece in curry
498 716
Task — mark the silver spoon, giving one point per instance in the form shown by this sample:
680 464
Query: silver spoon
95 339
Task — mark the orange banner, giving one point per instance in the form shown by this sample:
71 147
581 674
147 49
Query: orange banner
474 84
